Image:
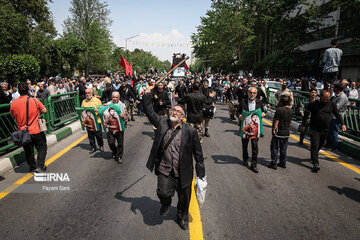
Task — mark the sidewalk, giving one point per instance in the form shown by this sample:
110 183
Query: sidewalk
346 145
9 161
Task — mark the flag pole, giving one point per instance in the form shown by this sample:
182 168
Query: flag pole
162 78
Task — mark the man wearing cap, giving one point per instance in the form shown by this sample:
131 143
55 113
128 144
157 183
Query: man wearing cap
285 91
174 147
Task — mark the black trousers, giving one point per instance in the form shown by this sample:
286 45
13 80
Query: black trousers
166 190
254 150
329 78
278 144
112 138
98 135
39 142
317 140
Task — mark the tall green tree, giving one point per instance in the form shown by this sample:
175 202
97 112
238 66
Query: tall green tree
140 60
26 27
259 34
89 22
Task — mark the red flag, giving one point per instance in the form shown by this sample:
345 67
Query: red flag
186 66
125 65
131 71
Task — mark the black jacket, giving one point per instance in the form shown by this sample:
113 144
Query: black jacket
82 94
164 98
321 115
190 146
181 91
195 102
244 105
126 94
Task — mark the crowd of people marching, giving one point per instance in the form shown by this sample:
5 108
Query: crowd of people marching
185 106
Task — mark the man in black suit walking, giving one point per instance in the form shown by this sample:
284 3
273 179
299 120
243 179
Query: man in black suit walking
171 156
249 104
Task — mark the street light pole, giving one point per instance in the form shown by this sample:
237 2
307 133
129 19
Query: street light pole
126 39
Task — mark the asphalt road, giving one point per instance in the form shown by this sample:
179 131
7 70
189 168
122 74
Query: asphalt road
111 201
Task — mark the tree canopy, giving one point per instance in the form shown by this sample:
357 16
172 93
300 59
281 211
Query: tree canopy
259 34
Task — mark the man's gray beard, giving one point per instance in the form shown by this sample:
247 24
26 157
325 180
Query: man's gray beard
252 98
174 119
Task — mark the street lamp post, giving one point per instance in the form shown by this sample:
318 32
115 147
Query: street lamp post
126 39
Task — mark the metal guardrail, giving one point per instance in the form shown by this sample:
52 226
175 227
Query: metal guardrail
351 118
61 109
7 126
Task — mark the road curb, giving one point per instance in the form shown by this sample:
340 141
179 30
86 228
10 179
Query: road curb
13 159
344 146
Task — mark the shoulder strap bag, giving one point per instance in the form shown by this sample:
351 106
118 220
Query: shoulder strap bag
41 120
22 137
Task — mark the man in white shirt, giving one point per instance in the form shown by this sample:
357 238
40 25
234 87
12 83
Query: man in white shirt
353 93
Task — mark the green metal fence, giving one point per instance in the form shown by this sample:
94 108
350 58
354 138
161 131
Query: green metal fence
61 109
351 118
7 126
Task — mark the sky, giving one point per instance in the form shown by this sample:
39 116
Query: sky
158 23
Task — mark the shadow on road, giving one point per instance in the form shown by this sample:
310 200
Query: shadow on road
299 161
148 208
226 120
102 155
225 159
149 134
236 132
85 146
348 192
147 123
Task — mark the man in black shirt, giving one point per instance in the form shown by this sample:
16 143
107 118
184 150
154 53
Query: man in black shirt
82 88
160 100
280 132
208 108
320 111
232 97
180 90
195 102
127 96
107 93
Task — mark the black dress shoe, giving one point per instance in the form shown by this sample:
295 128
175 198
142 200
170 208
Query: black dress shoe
164 210
118 160
31 169
101 149
254 169
183 224
40 169
272 165
245 163
315 168
132 119
93 150
282 165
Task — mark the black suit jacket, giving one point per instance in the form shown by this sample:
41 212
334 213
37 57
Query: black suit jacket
244 105
190 146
